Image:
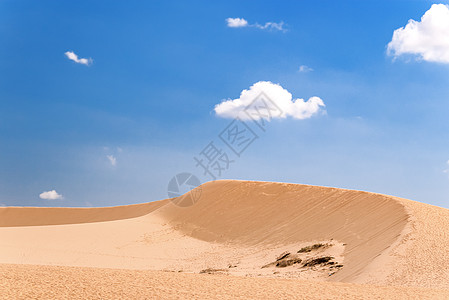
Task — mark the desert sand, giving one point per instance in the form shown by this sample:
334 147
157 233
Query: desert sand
242 239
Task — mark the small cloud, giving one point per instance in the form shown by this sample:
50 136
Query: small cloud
280 98
446 170
271 26
119 150
305 69
112 159
236 22
240 22
50 195
84 61
2 204
427 39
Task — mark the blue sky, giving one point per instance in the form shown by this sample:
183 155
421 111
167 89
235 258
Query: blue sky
158 70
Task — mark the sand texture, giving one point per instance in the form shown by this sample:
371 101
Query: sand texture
241 239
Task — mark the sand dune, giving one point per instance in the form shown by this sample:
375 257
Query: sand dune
255 229
37 216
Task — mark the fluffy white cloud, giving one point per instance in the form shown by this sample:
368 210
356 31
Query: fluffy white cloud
280 104
112 159
84 61
428 39
305 69
240 22
50 195
236 22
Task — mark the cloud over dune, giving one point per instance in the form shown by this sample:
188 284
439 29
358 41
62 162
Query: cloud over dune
112 159
50 195
427 39
241 22
236 22
305 69
280 97
73 57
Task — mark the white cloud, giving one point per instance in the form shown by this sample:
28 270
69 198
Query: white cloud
271 26
236 22
112 159
427 39
50 195
84 61
305 69
240 22
281 100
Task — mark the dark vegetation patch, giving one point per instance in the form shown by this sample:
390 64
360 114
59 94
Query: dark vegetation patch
312 248
288 262
284 260
212 271
282 256
319 261
306 259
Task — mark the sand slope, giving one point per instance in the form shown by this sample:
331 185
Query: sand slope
236 228
47 282
37 216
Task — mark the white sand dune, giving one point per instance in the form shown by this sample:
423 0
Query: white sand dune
239 228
